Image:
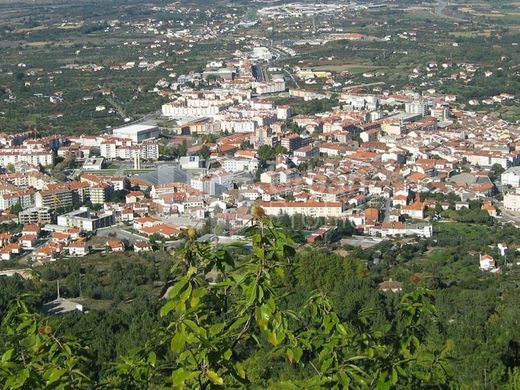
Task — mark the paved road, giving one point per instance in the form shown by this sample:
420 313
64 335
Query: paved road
364 85
292 78
120 234
508 216
439 9
386 210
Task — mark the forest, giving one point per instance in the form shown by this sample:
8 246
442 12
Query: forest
272 315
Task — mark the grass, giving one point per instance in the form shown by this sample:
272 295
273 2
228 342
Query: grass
470 34
353 68
469 231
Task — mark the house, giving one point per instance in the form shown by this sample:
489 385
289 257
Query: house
414 210
390 286
115 246
28 241
134 196
320 234
145 222
7 252
399 200
48 252
487 263
491 210
31 230
5 238
142 246
78 248
390 229
502 247
164 230
74 233
59 237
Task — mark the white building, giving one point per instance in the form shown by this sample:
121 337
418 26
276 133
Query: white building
262 53
275 86
215 184
418 107
511 177
314 209
238 125
176 111
240 165
137 133
14 156
87 220
512 200
487 263
93 164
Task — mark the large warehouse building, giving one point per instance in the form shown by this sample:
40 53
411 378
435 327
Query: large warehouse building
138 133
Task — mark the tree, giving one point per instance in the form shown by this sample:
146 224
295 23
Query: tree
245 145
34 357
16 209
265 153
495 172
204 152
210 332
223 316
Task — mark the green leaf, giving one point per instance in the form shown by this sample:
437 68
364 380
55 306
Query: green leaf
344 379
152 358
326 364
54 374
178 341
216 328
181 375
168 307
290 355
215 378
240 370
7 355
227 354
177 287
298 352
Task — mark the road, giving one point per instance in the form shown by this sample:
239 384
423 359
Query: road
120 234
386 210
508 216
292 78
363 85
439 9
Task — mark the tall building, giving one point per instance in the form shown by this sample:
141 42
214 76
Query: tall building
418 107
36 216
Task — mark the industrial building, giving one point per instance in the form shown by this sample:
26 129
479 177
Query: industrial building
138 133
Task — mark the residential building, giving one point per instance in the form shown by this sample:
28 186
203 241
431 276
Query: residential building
36 215
87 220
512 200
511 177
311 208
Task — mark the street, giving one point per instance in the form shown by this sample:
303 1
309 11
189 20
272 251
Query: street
120 234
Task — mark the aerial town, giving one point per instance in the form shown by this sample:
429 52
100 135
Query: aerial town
387 163
259 194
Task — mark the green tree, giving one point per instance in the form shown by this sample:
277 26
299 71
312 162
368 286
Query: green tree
34 357
495 172
204 152
224 315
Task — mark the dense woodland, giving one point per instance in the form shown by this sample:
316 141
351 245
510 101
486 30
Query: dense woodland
271 316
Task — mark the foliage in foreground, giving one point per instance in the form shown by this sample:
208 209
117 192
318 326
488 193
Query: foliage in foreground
220 311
